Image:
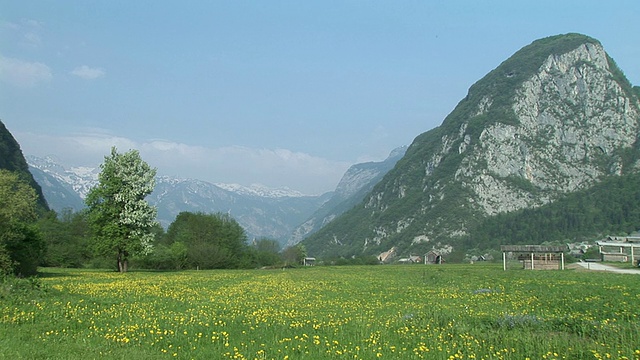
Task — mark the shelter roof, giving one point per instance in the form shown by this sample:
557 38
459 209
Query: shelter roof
533 248
618 244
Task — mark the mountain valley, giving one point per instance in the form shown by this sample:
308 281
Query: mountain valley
263 212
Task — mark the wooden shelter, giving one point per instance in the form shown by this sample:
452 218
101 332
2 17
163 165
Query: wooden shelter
535 257
433 257
619 248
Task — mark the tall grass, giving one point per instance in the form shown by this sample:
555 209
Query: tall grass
408 312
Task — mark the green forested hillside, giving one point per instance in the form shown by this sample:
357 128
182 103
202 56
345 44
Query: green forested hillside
611 207
12 159
21 203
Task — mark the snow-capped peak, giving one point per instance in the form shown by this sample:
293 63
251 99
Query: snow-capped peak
81 179
260 190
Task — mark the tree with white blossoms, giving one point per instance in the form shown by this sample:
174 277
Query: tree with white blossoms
120 216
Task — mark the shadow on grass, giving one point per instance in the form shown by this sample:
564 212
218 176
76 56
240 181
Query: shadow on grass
52 274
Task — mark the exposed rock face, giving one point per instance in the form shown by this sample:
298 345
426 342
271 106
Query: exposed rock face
570 113
556 117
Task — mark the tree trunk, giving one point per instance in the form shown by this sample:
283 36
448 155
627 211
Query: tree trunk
122 262
119 260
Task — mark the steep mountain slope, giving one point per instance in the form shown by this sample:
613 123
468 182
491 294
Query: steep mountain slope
556 117
79 179
64 189
355 184
12 159
60 195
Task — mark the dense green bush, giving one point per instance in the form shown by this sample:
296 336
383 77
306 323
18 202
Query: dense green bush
67 237
15 289
203 241
21 245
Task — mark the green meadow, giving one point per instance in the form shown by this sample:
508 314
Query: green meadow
354 312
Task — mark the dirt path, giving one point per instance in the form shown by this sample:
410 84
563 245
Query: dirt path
602 267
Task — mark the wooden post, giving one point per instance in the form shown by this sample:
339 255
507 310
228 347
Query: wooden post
562 260
504 261
632 260
532 261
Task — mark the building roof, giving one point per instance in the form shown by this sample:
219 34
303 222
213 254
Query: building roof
533 248
618 244
626 239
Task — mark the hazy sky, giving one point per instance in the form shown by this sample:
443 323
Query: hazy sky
281 93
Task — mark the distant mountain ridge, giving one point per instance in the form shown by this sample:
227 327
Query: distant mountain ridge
357 181
263 212
272 216
81 179
260 190
59 194
555 118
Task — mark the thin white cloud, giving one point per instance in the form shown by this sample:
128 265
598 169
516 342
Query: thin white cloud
25 32
245 165
23 73
274 168
32 39
8 25
33 23
88 73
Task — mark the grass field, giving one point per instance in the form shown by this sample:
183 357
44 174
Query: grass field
394 312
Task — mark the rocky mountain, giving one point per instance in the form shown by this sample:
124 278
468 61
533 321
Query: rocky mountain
555 118
272 214
78 179
352 188
64 188
12 159
60 195
262 212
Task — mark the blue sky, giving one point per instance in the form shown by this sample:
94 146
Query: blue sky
281 93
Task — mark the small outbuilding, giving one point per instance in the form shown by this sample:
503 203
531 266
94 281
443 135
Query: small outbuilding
535 257
622 249
433 257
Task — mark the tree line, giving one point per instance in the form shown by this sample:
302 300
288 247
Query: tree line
192 241
118 229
